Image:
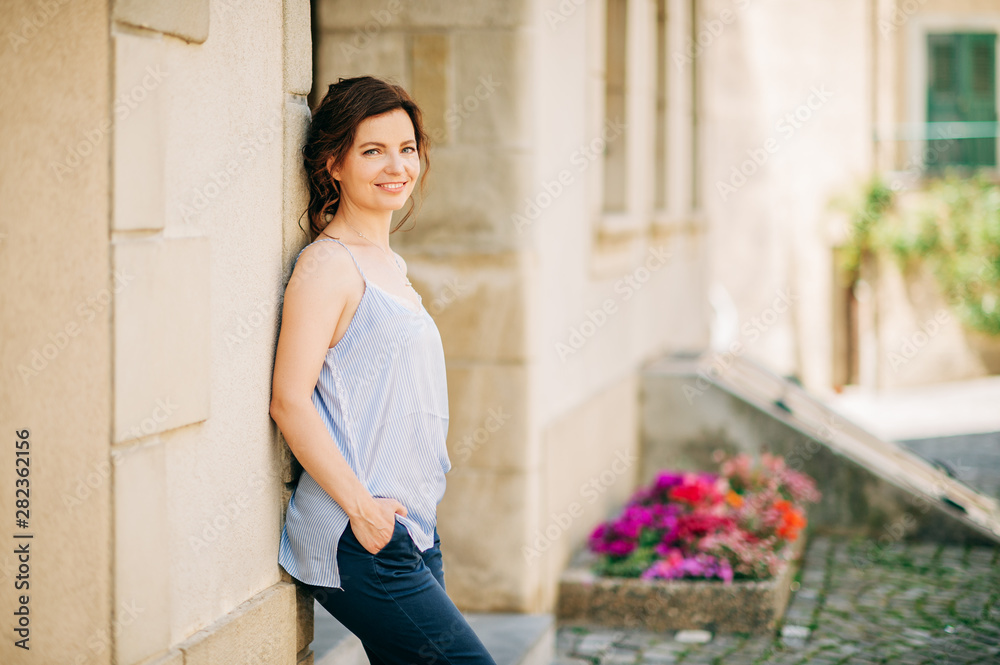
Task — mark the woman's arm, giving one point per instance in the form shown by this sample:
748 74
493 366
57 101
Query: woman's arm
316 298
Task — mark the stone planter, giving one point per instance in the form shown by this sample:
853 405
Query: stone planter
667 605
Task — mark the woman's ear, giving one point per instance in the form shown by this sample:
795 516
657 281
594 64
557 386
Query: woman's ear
334 172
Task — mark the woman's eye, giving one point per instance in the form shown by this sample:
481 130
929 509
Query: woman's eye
410 149
370 150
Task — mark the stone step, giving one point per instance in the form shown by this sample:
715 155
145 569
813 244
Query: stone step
511 638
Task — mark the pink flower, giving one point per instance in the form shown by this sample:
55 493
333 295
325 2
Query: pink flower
703 525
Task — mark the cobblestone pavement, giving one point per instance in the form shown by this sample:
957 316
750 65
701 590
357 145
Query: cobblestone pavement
909 603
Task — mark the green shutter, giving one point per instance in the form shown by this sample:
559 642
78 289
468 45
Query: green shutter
962 88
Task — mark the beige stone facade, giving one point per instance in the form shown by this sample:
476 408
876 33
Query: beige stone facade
557 252
151 193
910 334
800 104
586 213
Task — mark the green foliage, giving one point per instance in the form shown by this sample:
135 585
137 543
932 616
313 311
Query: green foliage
631 566
955 233
877 199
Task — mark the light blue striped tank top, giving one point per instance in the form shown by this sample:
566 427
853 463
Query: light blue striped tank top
383 396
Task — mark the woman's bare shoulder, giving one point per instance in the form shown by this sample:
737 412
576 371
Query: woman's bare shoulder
325 265
323 285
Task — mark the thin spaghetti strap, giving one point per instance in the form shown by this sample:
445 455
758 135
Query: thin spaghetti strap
356 265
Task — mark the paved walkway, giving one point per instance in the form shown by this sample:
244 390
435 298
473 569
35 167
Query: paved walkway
913 603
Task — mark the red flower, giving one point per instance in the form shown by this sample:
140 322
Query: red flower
697 525
790 520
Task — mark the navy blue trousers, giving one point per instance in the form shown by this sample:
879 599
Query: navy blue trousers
395 602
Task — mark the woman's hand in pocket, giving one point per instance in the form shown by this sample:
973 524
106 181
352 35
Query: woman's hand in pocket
373 526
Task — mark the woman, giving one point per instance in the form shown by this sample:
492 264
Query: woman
359 391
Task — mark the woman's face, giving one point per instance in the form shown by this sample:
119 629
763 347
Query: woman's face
379 170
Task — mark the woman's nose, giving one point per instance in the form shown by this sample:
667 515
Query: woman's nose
395 164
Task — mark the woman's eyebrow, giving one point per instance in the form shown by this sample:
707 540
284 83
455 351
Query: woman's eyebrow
382 145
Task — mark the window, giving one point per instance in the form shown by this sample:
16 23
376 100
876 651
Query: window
615 72
961 88
660 111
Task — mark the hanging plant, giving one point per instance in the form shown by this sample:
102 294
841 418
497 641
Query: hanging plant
955 233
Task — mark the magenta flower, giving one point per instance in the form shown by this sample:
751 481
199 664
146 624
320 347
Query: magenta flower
709 526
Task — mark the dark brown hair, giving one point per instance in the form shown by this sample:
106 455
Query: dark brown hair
331 134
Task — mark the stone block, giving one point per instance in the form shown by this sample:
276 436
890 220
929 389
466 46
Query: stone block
683 605
172 657
484 568
345 55
596 441
138 132
187 19
297 50
142 564
162 333
477 301
589 466
472 196
304 617
490 105
261 630
431 83
397 14
489 418
295 190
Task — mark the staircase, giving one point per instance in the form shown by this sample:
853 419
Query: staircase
693 404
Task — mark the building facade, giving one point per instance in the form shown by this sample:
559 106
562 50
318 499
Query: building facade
611 181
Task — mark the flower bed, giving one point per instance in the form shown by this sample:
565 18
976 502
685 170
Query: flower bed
690 542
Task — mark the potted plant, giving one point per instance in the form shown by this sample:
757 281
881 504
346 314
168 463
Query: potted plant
734 531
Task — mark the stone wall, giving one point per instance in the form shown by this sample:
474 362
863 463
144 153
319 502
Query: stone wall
787 104
57 326
547 307
153 188
910 336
